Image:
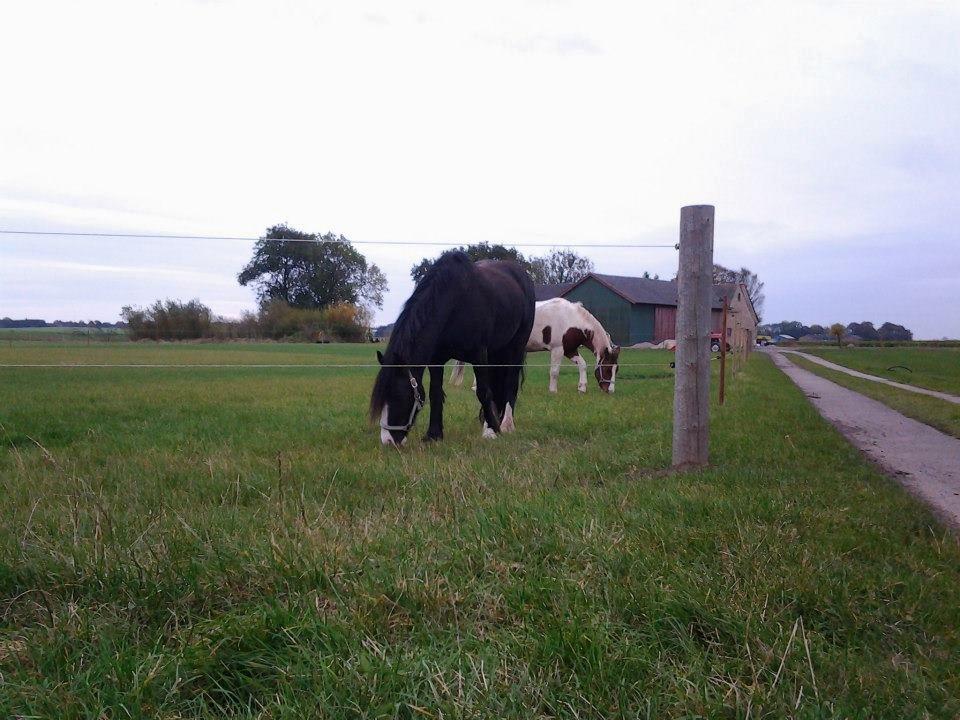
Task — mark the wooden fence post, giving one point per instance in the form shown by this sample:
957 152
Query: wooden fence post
723 349
691 395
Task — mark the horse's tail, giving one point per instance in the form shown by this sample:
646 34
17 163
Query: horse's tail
456 378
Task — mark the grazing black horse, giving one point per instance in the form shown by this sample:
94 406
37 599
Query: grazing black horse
480 313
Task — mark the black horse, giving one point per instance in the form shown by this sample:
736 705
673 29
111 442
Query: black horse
480 313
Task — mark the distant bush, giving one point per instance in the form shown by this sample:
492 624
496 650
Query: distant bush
341 322
175 320
168 320
246 328
347 322
277 320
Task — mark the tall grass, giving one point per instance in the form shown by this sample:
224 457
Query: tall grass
209 542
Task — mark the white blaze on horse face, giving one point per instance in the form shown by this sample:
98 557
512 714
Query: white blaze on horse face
488 431
613 378
385 437
507 425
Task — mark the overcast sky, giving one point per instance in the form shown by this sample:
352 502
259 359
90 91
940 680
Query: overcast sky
827 135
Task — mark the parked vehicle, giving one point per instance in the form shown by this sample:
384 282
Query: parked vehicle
715 339
764 340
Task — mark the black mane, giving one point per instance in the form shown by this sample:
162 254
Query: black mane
423 316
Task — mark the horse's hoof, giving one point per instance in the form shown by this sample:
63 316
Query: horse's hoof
488 433
430 437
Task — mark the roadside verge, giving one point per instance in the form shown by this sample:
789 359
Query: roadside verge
924 460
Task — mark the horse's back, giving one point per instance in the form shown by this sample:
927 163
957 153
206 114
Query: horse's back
509 297
553 318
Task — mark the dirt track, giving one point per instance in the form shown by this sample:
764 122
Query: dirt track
924 460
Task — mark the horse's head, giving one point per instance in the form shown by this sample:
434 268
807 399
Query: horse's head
397 398
606 370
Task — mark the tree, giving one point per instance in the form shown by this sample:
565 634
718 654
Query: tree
723 275
817 329
559 266
647 276
837 330
794 328
307 270
864 330
890 331
478 251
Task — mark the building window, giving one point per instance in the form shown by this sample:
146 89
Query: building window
738 296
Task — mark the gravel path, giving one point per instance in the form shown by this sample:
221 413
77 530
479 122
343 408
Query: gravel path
856 373
924 460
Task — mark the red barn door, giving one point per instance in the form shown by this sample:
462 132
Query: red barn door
664 324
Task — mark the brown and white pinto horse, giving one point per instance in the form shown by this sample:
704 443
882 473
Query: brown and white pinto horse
563 327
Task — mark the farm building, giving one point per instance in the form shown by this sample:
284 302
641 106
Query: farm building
546 292
635 310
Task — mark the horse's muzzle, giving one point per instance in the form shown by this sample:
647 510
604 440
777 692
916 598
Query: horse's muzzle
392 437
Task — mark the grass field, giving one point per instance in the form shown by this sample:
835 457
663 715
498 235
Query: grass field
200 542
932 368
63 334
933 411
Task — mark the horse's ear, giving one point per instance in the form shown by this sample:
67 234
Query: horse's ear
379 357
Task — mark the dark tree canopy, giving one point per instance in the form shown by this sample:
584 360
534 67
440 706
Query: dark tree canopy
794 328
478 251
559 266
892 331
311 270
744 275
864 330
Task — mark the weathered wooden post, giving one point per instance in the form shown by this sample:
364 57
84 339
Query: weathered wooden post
691 395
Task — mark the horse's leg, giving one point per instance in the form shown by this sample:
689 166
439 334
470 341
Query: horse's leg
511 390
488 409
435 429
582 367
556 357
499 385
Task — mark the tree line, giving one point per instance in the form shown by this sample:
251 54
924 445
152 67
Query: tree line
310 286
318 286
865 330
556 267
36 323
273 320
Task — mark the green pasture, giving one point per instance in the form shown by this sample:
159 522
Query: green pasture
943 415
935 368
184 542
62 334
